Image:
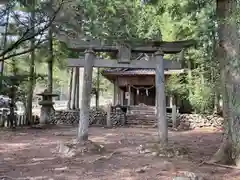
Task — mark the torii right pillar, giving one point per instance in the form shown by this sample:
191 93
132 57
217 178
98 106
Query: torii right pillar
161 98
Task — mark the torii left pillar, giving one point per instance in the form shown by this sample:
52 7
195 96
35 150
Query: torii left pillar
86 96
161 98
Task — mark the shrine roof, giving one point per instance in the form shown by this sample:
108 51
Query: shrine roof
134 71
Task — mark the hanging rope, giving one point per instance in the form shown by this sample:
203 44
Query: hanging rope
138 88
142 87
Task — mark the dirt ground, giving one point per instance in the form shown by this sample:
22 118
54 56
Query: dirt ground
29 154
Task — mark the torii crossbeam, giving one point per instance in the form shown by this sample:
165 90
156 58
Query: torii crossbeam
112 63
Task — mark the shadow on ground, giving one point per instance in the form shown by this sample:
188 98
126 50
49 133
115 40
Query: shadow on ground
30 154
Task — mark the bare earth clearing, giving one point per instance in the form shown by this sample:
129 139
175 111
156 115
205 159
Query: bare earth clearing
29 154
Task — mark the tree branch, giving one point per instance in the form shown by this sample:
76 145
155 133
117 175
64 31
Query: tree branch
23 52
26 37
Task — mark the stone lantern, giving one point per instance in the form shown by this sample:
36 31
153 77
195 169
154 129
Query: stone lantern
47 106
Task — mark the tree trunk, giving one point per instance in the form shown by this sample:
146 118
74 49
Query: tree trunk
215 76
51 58
12 95
74 88
31 71
190 76
77 88
217 108
228 55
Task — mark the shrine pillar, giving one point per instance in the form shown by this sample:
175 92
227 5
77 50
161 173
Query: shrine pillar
116 93
86 96
173 104
161 98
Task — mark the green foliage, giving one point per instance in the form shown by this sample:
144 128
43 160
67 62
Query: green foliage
196 20
112 20
201 97
176 85
135 20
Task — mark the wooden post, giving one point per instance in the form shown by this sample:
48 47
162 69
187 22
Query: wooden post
170 101
115 92
109 120
161 99
129 95
174 111
121 97
86 96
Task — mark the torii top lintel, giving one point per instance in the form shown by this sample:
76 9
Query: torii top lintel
80 45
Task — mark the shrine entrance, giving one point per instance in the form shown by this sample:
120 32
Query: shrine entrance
144 95
140 95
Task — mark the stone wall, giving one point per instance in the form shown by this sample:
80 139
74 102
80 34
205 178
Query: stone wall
118 118
71 117
191 121
97 116
67 117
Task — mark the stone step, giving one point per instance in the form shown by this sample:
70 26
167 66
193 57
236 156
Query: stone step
141 109
141 113
146 115
142 116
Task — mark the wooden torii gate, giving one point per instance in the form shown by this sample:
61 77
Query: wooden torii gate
124 55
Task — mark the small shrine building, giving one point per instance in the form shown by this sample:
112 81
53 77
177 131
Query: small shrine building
136 86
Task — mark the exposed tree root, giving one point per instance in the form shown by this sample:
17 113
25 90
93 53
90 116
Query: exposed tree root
224 154
220 165
156 149
74 148
6 177
105 157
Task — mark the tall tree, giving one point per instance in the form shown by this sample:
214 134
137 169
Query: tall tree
229 53
31 64
51 57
